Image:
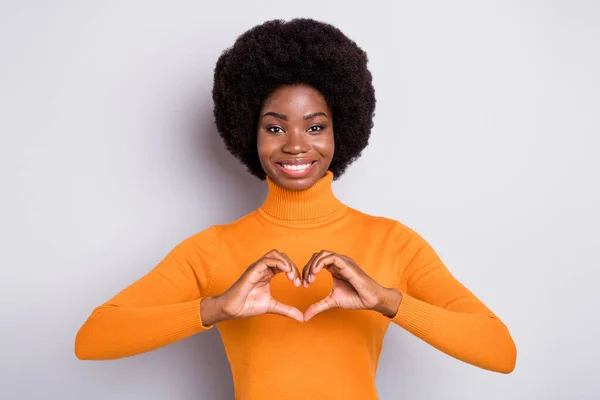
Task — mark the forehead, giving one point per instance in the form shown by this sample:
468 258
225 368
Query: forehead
299 98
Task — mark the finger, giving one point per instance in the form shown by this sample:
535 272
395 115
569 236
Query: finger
332 260
268 265
321 261
322 305
311 270
291 273
306 270
276 307
345 257
294 273
276 264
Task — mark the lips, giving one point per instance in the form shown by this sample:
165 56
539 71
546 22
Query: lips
296 161
296 167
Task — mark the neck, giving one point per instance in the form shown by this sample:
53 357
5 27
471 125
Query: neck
316 204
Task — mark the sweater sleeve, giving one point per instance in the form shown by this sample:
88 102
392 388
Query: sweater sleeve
438 309
160 308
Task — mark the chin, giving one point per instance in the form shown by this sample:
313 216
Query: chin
295 183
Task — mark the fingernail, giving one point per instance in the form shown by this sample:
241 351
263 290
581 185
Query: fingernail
297 281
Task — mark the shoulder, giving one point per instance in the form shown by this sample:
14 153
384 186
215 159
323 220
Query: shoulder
402 233
379 222
214 233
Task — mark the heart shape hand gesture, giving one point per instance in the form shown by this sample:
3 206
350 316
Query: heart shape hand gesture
352 288
251 295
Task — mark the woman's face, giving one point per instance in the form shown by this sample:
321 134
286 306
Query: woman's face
295 136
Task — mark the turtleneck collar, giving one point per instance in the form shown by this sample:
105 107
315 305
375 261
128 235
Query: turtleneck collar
302 207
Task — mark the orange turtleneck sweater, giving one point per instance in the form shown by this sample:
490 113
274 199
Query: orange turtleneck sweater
271 355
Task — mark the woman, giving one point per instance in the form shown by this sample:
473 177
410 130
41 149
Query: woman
294 103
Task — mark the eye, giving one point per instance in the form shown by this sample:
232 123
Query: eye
275 129
315 128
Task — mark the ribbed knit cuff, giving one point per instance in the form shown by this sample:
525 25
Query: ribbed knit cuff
415 316
184 320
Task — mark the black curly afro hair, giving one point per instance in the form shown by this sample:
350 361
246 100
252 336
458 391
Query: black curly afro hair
278 53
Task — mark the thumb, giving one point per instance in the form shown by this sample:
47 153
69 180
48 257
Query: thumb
276 307
322 305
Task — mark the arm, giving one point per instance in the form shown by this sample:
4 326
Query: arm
162 307
437 308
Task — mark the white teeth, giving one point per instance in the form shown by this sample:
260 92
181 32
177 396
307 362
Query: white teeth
300 167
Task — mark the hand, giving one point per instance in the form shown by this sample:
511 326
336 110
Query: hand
352 289
250 295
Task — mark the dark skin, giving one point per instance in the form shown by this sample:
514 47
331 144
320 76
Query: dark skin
296 128
295 124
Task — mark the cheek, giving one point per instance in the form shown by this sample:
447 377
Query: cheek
265 146
325 144
261 143
260 149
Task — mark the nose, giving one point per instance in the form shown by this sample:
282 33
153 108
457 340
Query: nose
295 143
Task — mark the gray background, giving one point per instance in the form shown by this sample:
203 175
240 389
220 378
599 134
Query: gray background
486 142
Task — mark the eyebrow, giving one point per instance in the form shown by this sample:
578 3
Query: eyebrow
285 118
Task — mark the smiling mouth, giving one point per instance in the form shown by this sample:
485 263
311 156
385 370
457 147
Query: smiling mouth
296 170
